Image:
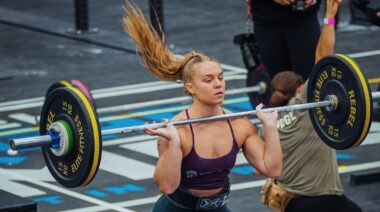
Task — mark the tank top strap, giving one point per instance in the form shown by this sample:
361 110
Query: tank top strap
231 129
191 127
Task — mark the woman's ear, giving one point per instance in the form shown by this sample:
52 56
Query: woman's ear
189 88
299 88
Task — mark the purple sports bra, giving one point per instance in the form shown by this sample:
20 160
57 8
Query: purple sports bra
203 173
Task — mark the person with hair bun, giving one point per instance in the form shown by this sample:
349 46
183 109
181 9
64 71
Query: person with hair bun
309 180
195 160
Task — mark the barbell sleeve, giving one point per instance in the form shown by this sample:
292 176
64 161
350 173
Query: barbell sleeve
30 142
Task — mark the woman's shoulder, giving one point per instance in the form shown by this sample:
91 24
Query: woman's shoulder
179 116
240 122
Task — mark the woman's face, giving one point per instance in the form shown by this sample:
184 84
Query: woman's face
208 84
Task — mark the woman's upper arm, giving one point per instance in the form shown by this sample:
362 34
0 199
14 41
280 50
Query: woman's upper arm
253 148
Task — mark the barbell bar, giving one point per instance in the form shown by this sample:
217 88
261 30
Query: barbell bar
339 103
46 140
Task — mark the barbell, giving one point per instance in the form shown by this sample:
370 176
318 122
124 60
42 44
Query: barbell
339 103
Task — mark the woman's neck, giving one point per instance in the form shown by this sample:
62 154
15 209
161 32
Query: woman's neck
198 109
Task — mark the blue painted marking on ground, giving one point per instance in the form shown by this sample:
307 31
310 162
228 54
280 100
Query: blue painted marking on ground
53 199
159 116
243 170
96 193
12 160
239 106
344 156
121 123
4 147
124 189
109 137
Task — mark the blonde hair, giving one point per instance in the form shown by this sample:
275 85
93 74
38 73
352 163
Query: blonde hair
157 58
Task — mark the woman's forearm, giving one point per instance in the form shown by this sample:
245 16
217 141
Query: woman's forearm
272 152
326 41
167 174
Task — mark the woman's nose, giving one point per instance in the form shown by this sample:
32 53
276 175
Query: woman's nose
218 83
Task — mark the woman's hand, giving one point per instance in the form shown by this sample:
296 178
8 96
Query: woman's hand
169 133
332 8
268 119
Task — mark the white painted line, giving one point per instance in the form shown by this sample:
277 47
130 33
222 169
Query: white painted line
234 69
22 101
112 163
245 185
146 84
24 117
168 85
373 136
2 122
130 139
21 106
136 91
62 190
10 125
18 189
140 105
128 87
147 148
360 167
234 187
130 203
176 100
240 159
364 54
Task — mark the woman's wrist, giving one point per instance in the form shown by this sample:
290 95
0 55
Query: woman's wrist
329 21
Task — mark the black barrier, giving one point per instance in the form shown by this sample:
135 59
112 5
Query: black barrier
81 15
11 202
156 15
82 24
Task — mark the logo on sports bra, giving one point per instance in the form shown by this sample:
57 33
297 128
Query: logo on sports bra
191 174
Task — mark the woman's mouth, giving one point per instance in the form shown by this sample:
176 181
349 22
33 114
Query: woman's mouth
221 93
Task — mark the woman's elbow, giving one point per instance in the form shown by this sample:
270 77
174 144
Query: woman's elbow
167 188
275 171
